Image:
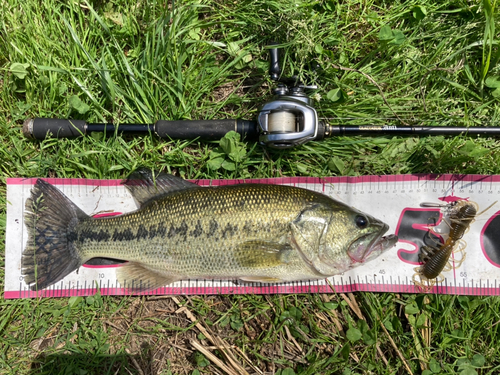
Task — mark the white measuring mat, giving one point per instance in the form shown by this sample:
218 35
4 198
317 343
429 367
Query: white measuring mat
393 199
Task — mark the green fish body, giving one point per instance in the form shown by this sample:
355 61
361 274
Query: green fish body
251 232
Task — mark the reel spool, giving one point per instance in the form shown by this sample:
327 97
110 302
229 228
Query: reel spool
287 122
282 122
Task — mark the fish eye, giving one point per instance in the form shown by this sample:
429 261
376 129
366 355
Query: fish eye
361 222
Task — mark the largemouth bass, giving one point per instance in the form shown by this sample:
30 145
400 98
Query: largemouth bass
250 232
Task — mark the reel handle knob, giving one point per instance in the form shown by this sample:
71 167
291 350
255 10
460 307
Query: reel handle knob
274 65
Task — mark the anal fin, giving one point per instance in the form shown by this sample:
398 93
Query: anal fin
136 276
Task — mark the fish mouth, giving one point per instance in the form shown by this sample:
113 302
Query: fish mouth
371 246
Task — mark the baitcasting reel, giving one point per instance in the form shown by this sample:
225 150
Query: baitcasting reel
290 119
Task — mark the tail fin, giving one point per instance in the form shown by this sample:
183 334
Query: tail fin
51 253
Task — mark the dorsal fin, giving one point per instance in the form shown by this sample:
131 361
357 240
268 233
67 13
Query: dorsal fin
145 185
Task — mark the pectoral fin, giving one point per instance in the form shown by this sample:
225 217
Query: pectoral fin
262 254
133 275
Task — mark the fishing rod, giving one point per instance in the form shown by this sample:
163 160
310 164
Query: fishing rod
287 121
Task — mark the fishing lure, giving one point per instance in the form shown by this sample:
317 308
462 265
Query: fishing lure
463 214
439 259
436 258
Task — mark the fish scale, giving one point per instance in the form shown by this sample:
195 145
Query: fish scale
265 233
226 215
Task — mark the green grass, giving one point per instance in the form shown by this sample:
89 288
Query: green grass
436 62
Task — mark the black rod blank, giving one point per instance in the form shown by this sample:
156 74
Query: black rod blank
375 130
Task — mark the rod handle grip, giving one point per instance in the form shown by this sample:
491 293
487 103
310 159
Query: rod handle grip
209 130
41 128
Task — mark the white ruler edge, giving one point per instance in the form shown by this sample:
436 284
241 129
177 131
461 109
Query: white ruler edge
384 199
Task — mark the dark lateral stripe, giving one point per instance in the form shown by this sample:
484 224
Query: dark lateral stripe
213 227
181 230
141 233
124 235
229 229
98 236
198 230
